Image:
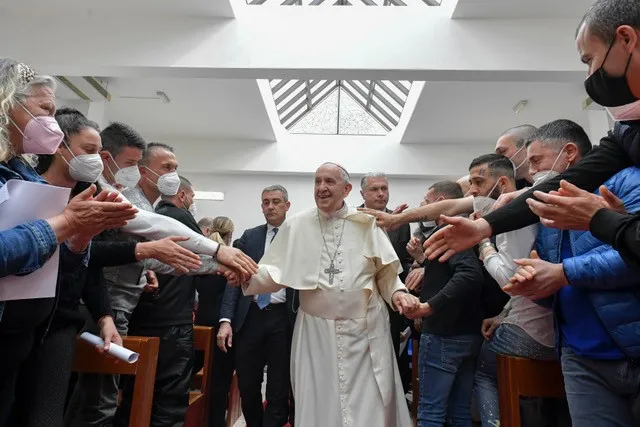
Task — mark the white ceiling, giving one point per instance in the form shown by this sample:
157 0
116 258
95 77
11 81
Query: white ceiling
203 8
222 111
470 112
521 9
199 109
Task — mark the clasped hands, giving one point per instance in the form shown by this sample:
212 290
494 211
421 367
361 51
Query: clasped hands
535 278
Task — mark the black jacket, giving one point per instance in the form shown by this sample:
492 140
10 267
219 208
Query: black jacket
173 303
210 293
235 305
453 289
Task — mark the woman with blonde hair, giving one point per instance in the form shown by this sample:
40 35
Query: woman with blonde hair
211 293
221 230
28 127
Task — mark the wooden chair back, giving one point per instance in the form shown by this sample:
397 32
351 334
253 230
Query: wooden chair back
528 378
88 360
198 411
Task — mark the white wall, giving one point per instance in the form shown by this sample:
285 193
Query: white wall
242 195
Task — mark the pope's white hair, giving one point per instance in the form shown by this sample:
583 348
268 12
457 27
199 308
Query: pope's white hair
343 172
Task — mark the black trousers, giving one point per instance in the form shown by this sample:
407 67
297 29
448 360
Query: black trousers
173 377
264 340
41 391
16 348
220 377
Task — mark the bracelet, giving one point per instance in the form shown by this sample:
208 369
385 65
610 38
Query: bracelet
215 253
485 244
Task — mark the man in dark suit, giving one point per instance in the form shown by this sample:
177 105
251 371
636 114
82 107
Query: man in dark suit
263 326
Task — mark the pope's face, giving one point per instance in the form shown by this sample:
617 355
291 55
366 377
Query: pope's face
330 188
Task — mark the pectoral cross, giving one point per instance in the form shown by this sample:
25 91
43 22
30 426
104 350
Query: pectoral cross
332 271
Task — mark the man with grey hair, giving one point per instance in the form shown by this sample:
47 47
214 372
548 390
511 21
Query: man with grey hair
262 325
511 144
343 369
375 192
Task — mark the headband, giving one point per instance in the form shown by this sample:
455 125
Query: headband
27 74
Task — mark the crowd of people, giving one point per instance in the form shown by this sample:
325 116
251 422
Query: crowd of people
516 258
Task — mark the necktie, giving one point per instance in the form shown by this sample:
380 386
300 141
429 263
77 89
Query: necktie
264 300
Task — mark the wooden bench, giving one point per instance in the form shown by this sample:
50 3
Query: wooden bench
198 411
528 378
88 360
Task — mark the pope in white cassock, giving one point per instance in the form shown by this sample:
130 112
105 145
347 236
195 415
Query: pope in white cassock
343 368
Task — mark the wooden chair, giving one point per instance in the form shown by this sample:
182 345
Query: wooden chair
198 411
234 410
415 385
88 360
528 378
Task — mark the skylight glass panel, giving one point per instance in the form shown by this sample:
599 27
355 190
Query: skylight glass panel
357 107
345 2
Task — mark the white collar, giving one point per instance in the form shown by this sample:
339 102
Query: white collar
340 213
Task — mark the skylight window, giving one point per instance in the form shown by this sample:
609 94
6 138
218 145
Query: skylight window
346 2
340 107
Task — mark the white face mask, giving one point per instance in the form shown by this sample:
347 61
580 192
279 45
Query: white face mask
192 209
543 176
540 177
128 177
85 167
168 184
484 204
515 168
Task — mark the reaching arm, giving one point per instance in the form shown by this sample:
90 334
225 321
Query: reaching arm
511 245
209 266
600 164
620 231
106 253
430 212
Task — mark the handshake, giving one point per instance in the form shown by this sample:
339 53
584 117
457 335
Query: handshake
408 305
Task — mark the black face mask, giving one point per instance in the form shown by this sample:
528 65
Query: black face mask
608 90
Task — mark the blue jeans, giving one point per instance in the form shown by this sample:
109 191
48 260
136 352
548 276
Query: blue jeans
601 393
513 341
446 379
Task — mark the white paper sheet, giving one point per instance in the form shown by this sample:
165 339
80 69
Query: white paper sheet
403 344
20 202
114 349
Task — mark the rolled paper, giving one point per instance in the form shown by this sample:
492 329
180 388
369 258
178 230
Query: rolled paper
115 350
